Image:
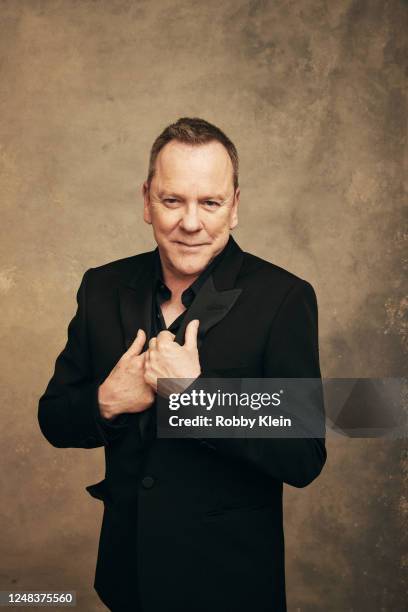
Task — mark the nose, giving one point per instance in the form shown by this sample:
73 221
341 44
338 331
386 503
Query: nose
190 220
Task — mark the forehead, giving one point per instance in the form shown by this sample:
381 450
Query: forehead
190 166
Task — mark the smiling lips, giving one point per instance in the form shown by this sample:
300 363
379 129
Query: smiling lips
190 246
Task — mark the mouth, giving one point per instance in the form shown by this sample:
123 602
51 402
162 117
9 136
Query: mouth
190 246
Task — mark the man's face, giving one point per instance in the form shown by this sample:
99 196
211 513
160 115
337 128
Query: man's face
191 205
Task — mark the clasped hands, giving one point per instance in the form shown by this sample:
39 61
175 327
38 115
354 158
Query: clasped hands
132 384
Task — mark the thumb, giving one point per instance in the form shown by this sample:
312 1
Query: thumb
190 338
137 344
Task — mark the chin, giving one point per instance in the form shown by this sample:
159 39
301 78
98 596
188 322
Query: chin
189 265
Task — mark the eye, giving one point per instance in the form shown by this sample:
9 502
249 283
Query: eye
170 200
211 203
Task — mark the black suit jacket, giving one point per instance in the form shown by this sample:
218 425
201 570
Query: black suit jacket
189 525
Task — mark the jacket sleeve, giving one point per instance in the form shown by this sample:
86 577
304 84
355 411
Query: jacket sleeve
291 351
68 411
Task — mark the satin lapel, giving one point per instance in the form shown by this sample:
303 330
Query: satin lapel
217 295
210 307
135 300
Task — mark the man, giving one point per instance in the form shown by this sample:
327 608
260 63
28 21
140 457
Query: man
189 525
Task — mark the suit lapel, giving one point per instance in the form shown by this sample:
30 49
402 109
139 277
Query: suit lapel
216 296
135 299
212 303
135 303
210 307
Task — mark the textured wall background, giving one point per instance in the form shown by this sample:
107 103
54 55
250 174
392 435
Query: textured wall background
312 93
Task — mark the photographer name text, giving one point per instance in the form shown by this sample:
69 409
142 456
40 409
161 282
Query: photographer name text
235 421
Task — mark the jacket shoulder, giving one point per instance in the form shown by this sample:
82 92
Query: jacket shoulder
118 271
276 289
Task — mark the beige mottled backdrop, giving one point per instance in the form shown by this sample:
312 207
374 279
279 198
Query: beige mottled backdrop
312 93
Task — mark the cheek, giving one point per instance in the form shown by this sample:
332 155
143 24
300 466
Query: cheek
165 220
218 225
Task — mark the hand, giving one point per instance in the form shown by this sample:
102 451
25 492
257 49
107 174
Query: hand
125 389
167 359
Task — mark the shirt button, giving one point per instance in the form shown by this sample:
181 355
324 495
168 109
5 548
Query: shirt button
147 482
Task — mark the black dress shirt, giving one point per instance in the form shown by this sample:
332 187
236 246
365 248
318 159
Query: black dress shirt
161 293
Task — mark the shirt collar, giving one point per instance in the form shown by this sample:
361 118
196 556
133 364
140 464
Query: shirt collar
188 294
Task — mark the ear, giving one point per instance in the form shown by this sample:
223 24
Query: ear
234 210
146 203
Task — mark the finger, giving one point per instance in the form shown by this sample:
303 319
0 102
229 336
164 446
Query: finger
152 343
151 380
165 336
190 338
149 377
137 345
151 356
146 370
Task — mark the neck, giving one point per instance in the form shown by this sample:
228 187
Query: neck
176 282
